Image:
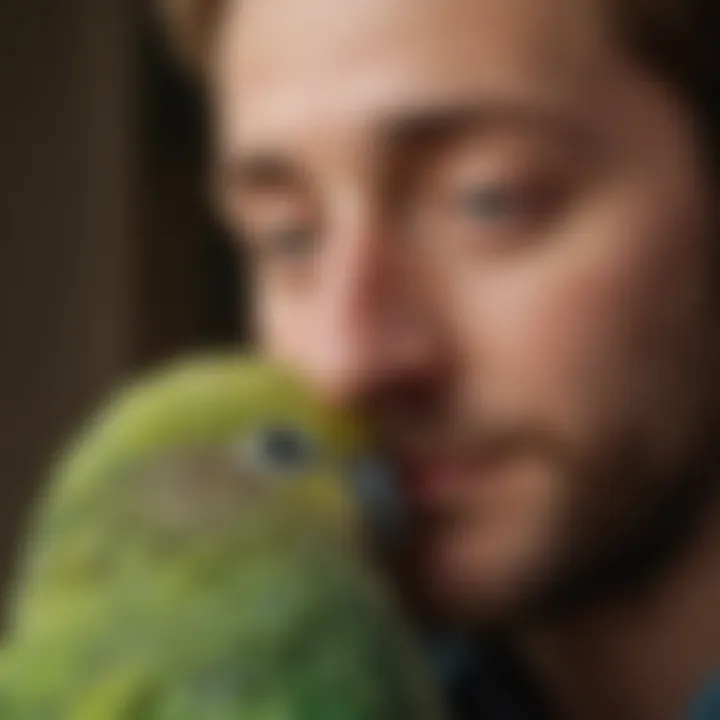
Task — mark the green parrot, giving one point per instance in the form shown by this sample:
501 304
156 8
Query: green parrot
201 553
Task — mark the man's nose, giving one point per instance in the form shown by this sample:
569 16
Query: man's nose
374 325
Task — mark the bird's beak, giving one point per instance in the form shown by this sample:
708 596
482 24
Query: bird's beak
376 489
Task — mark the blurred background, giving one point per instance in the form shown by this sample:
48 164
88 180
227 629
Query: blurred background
110 260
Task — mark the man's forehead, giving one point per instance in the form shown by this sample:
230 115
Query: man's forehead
286 67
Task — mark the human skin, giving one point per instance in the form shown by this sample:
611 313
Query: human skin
487 226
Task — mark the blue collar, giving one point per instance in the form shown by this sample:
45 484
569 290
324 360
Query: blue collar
706 705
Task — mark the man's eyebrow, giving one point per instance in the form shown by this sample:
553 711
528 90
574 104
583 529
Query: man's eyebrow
413 125
406 128
260 170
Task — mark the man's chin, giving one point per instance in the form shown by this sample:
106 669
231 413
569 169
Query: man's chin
458 584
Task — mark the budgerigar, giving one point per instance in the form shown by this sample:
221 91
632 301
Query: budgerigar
200 554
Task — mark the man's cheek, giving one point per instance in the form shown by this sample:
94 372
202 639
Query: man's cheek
544 351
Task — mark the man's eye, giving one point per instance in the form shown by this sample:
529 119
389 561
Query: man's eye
290 242
490 216
491 203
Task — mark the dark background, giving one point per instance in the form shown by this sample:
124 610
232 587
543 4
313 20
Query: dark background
110 261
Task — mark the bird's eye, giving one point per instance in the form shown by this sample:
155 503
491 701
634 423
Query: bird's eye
283 449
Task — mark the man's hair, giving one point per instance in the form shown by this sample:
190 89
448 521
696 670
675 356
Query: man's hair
189 27
679 40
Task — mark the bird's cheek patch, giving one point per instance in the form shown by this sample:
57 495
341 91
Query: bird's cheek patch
195 490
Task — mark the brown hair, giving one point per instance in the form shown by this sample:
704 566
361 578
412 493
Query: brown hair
188 25
677 39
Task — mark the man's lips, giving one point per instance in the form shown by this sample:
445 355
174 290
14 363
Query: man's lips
435 480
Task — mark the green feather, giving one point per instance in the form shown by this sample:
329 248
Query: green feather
177 569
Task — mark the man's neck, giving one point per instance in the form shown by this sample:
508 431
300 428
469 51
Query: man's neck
644 657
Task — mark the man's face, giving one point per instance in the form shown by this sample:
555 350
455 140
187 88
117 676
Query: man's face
483 224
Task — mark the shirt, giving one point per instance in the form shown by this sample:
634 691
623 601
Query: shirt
488 683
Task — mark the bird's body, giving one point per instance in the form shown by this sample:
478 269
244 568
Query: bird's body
199 555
